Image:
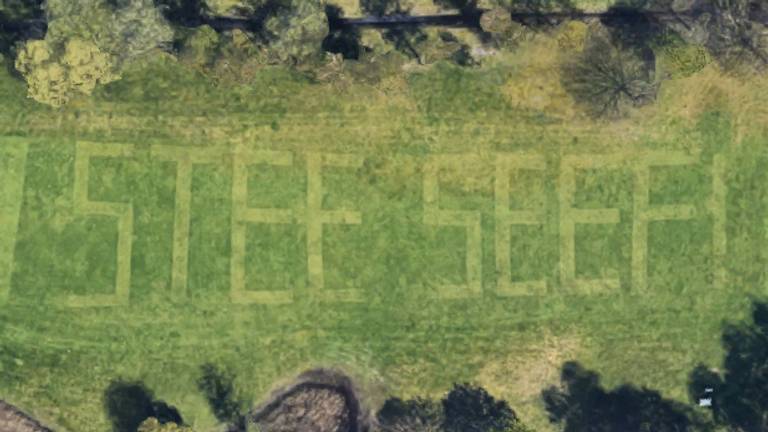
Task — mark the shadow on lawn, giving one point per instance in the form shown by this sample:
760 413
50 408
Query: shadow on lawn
582 404
736 396
738 392
129 403
217 385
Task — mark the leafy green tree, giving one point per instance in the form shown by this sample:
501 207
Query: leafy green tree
501 30
88 43
296 34
739 393
461 5
128 404
54 77
14 27
581 404
200 48
386 7
679 59
608 80
181 12
153 425
413 415
16 10
734 31
125 32
533 6
341 40
469 408
739 32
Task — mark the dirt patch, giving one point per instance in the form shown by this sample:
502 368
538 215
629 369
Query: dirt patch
13 420
320 400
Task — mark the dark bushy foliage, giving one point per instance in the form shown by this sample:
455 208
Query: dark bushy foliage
129 403
218 388
581 404
472 409
398 415
341 40
740 391
607 79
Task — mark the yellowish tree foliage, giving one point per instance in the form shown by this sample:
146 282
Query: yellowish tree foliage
153 425
571 36
54 75
680 60
87 43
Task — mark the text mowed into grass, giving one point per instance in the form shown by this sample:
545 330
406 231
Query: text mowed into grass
85 194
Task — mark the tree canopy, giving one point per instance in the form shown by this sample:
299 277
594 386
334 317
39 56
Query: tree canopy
419 414
469 408
297 33
739 392
581 404
128 404
466 408
88 42
607 79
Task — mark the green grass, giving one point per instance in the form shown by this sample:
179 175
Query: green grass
402 340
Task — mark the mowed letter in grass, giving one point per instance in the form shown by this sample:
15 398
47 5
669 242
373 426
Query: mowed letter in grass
318 215
432 235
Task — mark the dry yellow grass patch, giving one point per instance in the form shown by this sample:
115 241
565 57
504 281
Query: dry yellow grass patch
744 96
537 84
521 376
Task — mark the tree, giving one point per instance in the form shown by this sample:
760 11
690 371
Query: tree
469 408
88 42
581 404
54 77
538 13
500 29
13 29
341 40
182 12
128 404
413 415
739 393
386 7
153 425
607 79
296 34
734 31
15 10
126 31
739 32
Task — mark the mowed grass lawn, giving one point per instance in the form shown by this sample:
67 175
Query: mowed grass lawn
403 337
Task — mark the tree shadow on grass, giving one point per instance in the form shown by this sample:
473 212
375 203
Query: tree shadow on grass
128 403
582 404
217 385
739 392
466 408
341 40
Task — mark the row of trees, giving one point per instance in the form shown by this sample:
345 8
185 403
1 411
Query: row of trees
91 42
737 395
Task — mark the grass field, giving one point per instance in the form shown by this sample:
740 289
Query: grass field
428 230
